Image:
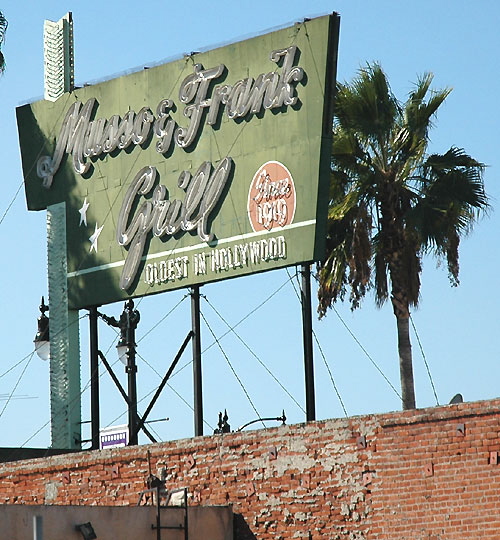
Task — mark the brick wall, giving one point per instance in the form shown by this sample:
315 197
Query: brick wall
431 474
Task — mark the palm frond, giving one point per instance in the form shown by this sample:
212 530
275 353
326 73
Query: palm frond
417 111
390 203
3 29
381 286
367 106
412 135
451 200
349 254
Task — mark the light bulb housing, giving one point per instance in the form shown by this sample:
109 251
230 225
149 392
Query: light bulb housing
42 337
121 349
42 349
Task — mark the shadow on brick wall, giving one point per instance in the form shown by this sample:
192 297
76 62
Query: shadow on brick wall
241 529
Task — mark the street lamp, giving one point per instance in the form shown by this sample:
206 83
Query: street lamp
42 338
129 319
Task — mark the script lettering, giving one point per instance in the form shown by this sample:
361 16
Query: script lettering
194 88
166 217
83 138
71 140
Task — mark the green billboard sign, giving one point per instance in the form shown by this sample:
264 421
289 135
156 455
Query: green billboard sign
209 167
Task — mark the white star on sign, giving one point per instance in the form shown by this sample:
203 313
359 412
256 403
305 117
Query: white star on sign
83 212
94 237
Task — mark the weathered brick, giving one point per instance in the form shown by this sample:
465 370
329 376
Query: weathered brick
426 481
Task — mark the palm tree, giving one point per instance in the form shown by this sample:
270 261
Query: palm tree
391 203
3 29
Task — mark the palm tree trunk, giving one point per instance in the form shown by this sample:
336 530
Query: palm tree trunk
405 363
402 282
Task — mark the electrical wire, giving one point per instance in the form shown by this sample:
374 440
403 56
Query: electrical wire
330 374
172 388
425 361
163 318
232 369
15 365
17 383
366 353
33 436
38 154
295 287
251 312
29 357
3 397
256 357
231 329
11 202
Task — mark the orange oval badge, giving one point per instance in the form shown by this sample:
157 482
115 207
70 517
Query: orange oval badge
272 198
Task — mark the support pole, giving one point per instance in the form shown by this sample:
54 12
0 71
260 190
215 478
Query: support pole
197 374
132 318
308 344
94 379
129 319
65 392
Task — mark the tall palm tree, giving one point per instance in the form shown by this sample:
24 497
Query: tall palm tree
3 29
391 203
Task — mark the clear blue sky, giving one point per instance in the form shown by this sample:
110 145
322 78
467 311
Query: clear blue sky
456 40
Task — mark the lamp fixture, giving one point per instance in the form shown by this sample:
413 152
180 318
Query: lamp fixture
87 531
127 325
42 337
